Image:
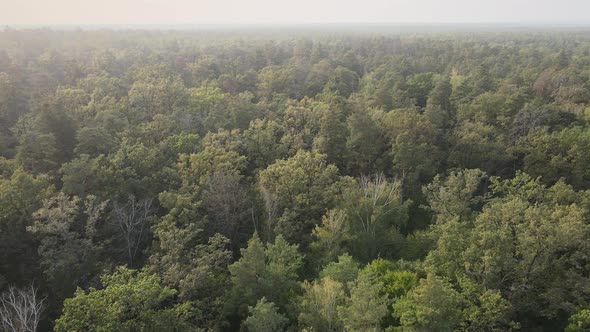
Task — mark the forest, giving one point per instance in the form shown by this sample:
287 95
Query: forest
296 181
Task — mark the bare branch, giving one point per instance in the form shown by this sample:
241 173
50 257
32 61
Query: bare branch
132 219
21 309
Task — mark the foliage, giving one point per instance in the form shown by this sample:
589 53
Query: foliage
129 301
296 180
265 318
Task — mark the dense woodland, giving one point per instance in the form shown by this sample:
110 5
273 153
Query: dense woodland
217 181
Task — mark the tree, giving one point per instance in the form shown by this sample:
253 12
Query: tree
129 301
342 81
579 322
416 157
344 271
67 230
556 155
12 106
94 141
264 317
419 87
297 191
519 252
396 280
273 80
53 120
375 213
21 309
269 272
37 152
477 145
364 158
330 237
457 196
199 271
263 142
228 204
319 305
432 306
21 194
132 220
150 95
366 307
331 138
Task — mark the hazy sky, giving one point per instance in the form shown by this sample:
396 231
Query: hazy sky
289 11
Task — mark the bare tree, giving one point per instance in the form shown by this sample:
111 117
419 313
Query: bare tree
132 220
377 197
227 204
271 204
21 309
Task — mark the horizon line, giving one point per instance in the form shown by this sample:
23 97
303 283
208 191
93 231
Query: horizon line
311 23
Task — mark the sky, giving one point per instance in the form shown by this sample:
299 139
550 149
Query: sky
86 12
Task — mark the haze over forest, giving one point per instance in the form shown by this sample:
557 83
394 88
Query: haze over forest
174 12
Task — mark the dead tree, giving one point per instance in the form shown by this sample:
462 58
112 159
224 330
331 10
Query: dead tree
132 219
378 197
21 309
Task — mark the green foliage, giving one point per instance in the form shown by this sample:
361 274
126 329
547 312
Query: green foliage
319 305
363 158
37 152
94 141
297 192
396 283
375 213
431 306
457 196
68 229
343 271
454 165
267 271
419 87
366 306
264 317
579 322
520 233
556 155
21 194
413 142
129 301
330 237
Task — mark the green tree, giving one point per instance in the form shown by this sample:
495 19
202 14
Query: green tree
331 138
264 317
457 196
263 144
419 87
37 152
319 305
558 154
375 214
330 237
579 322
366 307
364 158
21 194
431 306
67 229
94 141
297 192
416 157
342 81
344 271
129 301
269 272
